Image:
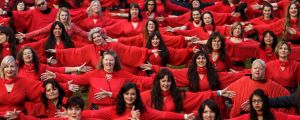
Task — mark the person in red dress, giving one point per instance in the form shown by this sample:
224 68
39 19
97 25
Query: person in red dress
283 70
267 16
130 106
267 46
251 83
209 110
260 109
8 42
165 96
217 52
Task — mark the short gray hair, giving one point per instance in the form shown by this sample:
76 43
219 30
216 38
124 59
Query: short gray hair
261 62
97 30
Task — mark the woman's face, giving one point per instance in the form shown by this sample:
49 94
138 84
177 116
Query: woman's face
74 113
27 56
201 61
134 12
108 62
96 7
196 4
10 70
51 92
257 71
150 6
3 38
196 16
63 17
216 43
283 51
97 39
130 97
57 31
293 10
207 19
257 103
151 26
208 114
268 39
267 12
165 83
21 6
155 41
237 31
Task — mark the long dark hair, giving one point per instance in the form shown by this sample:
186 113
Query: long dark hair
211 105
164 53
287 20
267 113
212 75
262 43
195 9
297 101
135 5
121 105
212 21
61 93
266 4
156 92
35 59
222 49
65 38
12 40
146 5
117 66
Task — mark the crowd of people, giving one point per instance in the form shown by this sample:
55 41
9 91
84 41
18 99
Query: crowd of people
150 59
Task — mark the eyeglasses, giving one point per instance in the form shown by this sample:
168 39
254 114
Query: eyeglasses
41 4
257 101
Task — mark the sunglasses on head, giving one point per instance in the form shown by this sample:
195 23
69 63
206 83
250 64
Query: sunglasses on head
41 4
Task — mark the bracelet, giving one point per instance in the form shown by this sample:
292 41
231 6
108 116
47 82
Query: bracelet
78 69
219 92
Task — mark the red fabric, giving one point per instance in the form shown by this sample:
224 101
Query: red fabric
218 5
221 66
150 114
125 28
27 71
96 21
42 111
131 56
4 21
9 6
266 55
260 21
243 93
277 115
191 101
241 51
190 25
22 91
289 77
200 32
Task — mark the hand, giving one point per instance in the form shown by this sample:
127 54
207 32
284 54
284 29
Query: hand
169 29
155 51
226 93
291 30
84 68
114 14
51 60
109 39
1 11
233 71
72 87
20 35
160 19
147 66
235 14
102 94
61 114
48 75
248 27
51 50
135 114
11 115
194 39
245 106
256 6
190 116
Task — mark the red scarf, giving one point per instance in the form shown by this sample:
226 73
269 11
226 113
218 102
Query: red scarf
28 68
283 63
134 19
294 21
5 45
10 81
269 51
94 16
101 47
165 93
209 27
201 70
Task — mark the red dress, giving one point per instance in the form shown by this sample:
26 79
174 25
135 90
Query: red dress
125 28
96 21
277 116
22 91
243 93
241 51
191 101
110 113
289 77
221 66
266 55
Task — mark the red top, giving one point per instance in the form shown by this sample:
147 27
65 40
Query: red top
96 21
277 115
42 111
221 66
288 77
266 55
241 51
243 93
125 28
218 5
191 101
261 21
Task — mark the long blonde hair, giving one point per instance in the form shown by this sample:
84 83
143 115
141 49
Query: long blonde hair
287 20
63 9
89 9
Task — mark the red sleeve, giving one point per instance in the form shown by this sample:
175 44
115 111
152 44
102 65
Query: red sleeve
116 30
137 40
44 30
144 83
177 41
33 92
39 46
178 56
178 21
221 18
192 101
44 67
79 31
227 78
175 7
77 15
23 17
77 79
276 27
152 114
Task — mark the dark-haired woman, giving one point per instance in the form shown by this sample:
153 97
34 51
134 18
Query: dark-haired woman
267 46
217 52
58 39
260 109
267 16
130 105
209 110
194 22
165 96
8 42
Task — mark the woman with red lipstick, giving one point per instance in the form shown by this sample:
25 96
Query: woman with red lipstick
209 110
267 46
165 96
260 109
251 83
129 105
15 91
283 70
8 42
